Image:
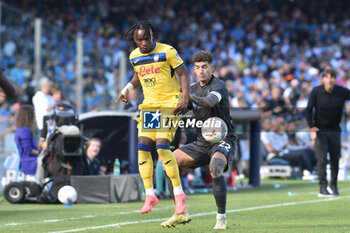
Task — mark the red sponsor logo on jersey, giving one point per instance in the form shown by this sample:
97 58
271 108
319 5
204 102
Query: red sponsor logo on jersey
147 71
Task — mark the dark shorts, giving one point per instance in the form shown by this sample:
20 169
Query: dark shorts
202 153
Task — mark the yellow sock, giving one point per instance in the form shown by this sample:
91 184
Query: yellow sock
170 165
146 167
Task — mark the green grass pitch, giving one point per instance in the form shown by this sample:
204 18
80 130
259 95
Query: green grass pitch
291 208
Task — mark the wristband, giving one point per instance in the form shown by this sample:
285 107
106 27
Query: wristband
128 87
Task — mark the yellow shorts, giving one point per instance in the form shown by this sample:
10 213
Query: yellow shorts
157 122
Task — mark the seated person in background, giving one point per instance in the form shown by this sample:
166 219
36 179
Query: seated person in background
277 145
91 162
300 141
27 148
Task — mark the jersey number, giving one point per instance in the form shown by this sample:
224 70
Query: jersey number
225 145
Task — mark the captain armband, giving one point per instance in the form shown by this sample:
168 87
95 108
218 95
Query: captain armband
217 94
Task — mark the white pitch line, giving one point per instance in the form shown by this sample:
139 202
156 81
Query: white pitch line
87 216
69 219
13 224
308 193
204 214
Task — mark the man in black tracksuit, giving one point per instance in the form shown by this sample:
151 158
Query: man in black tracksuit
328 102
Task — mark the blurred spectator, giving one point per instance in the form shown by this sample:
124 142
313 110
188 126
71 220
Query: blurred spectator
56 93
43 102
275 105
93 101
25 142
291 37
4 114
18 73
8 135
292 93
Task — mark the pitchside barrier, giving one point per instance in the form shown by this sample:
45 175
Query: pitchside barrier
252 118
118 133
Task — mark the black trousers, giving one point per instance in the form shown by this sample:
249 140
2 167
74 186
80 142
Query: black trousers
302 158
327 141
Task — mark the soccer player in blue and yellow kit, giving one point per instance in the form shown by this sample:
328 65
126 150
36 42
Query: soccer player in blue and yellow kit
155 65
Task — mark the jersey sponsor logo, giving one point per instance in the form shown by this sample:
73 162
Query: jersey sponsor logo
151 119
147 71
149 82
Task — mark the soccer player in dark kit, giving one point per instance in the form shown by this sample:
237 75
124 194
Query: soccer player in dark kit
209 98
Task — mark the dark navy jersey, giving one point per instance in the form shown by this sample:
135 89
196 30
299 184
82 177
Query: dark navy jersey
218 88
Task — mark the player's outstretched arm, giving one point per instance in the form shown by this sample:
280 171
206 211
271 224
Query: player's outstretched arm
6 86
135 82
207 102
185 86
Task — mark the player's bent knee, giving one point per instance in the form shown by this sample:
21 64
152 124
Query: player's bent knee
145 140
216 167
183 159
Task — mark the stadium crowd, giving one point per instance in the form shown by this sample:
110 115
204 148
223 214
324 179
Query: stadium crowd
270 53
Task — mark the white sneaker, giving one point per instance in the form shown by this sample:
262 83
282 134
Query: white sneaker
221 223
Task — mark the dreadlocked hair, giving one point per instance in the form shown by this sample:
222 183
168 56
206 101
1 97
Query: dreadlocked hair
149 27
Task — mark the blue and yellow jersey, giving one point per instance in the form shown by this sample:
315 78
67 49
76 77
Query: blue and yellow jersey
156 71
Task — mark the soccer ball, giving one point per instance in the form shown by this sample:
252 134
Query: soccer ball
67 194
214 129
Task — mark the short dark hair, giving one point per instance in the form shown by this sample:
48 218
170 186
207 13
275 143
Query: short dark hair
329 71
203 56
145 25
88 142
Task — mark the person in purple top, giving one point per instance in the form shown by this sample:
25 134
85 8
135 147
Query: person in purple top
25 141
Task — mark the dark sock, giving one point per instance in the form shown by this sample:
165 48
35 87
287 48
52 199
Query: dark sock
219 191
170 185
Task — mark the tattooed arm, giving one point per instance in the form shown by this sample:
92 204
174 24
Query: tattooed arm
208 102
